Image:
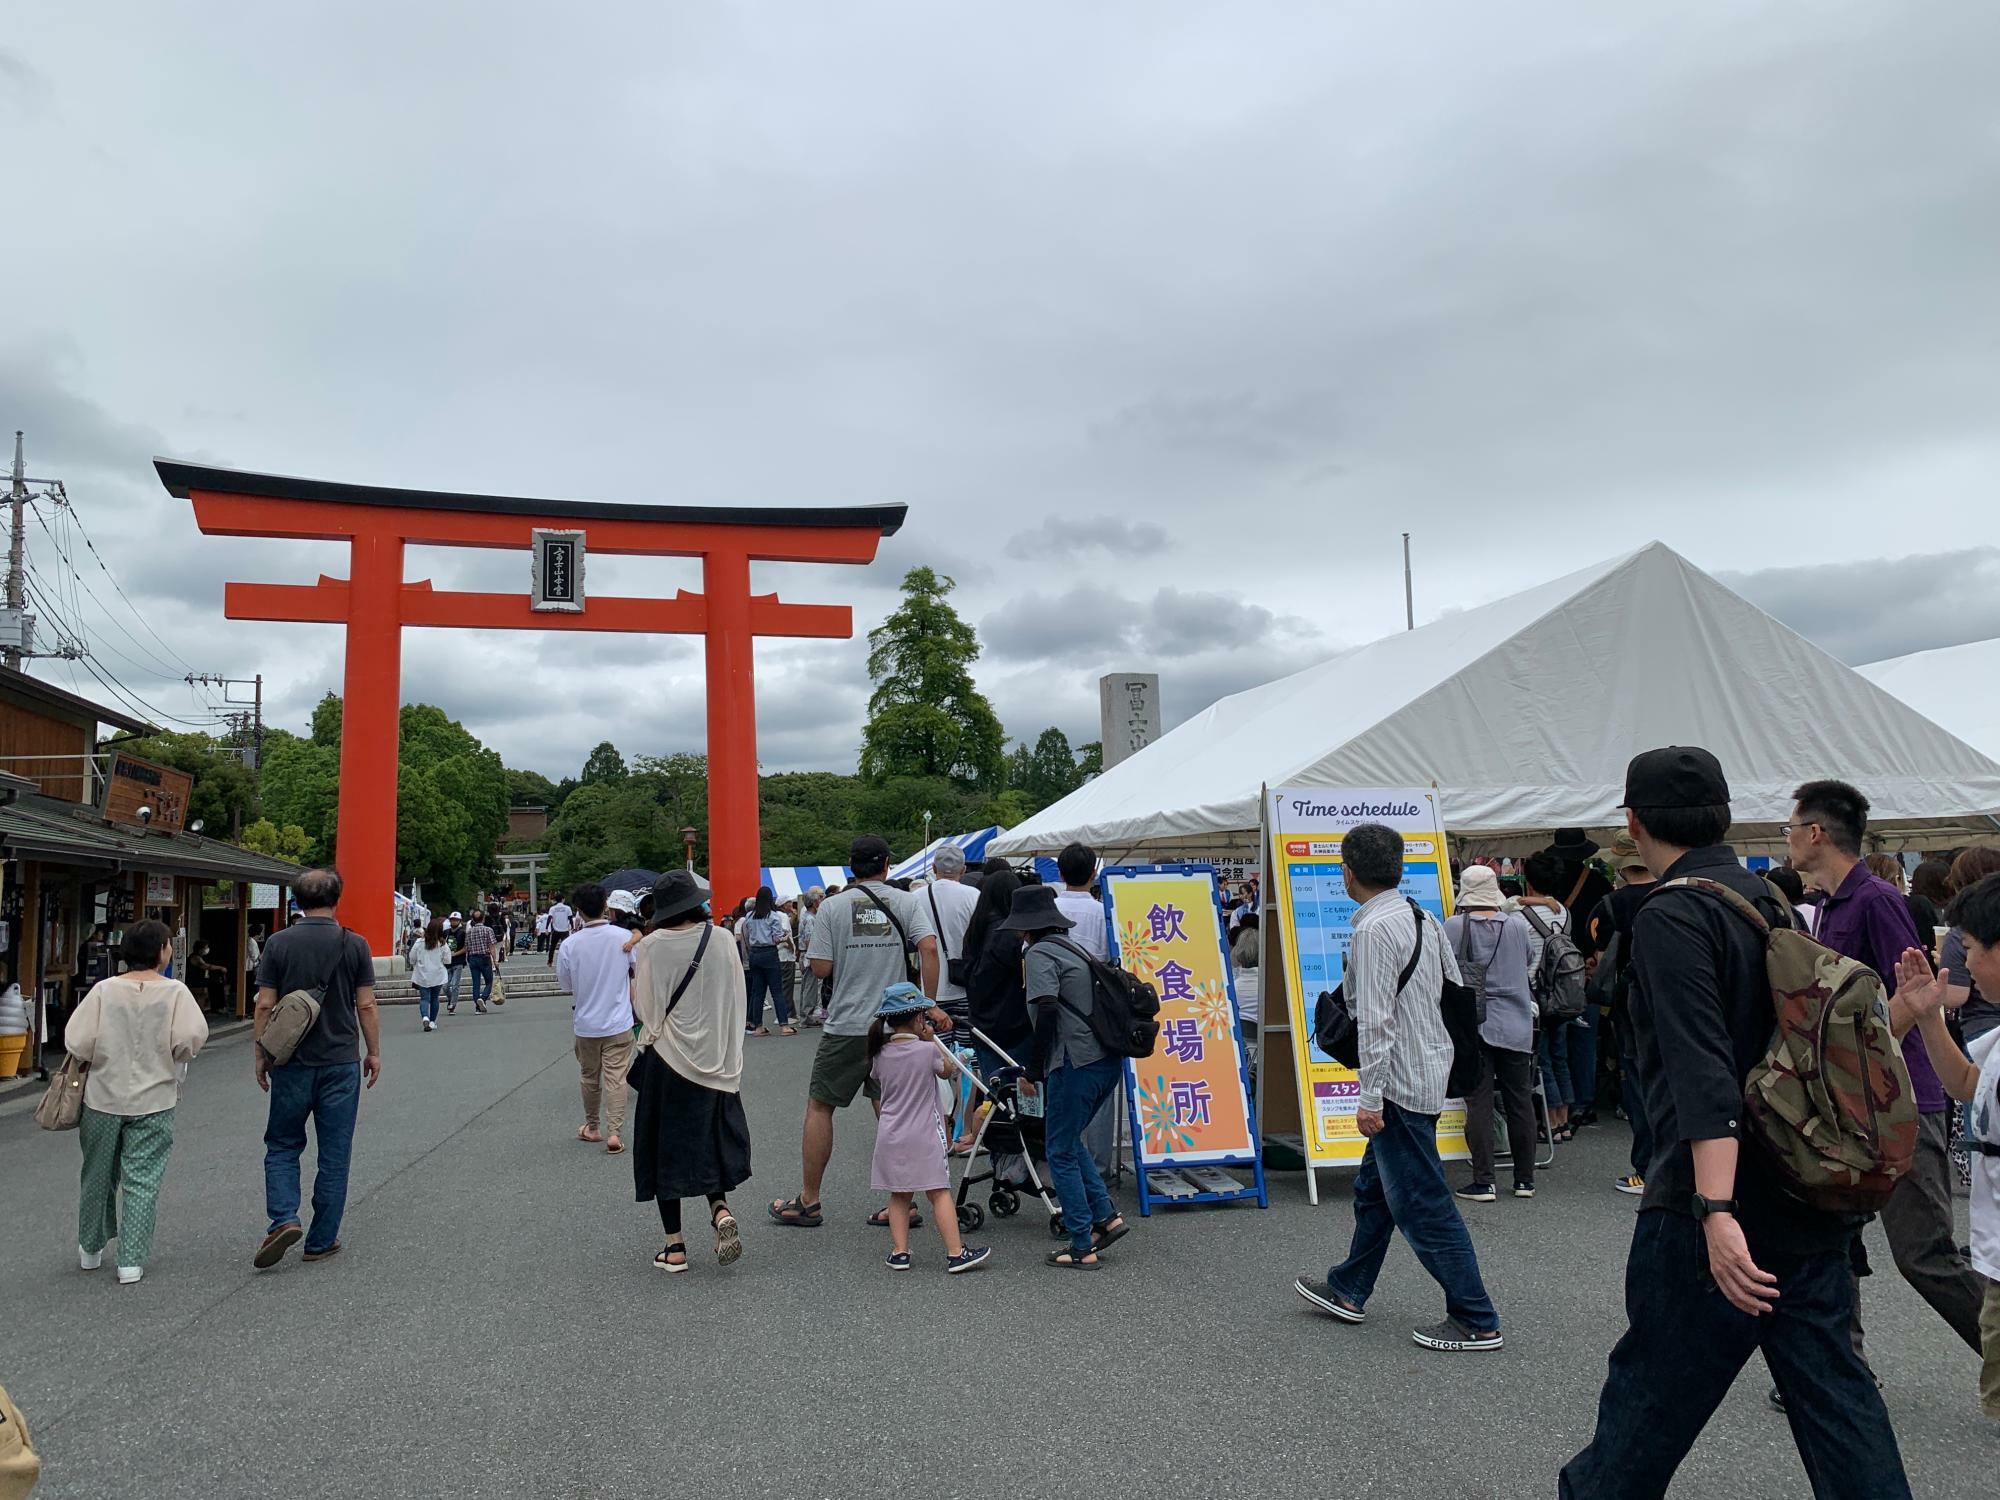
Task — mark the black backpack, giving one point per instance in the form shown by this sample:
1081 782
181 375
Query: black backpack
1337 1035
1124 1011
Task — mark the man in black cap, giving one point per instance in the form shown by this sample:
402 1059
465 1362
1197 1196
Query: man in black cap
1714 1219
863 941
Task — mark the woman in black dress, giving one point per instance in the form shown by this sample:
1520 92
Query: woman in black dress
690 1138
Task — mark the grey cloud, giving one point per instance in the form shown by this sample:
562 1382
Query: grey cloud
1061 537
1088 624
1235 427
1701 273
1876 608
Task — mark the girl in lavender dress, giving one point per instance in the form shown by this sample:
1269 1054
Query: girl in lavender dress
907 1063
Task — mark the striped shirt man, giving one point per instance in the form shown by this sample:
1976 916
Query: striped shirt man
1405 1051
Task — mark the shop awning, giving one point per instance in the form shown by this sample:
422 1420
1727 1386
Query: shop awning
57 832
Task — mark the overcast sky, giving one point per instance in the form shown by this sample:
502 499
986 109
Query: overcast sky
1164 319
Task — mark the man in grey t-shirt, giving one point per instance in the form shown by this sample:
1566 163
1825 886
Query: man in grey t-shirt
860 939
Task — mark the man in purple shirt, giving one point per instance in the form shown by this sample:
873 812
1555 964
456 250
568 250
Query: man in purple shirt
1864 917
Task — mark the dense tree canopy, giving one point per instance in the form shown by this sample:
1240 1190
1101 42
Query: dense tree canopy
926 717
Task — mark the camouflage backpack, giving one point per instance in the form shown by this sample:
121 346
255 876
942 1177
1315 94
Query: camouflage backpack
1830 1103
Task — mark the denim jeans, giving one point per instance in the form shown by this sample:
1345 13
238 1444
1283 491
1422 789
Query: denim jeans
481 965
1401 1186
1633 1092
1580 1038
1074 1095
1683 1350
427 1001
766 976
1555 1070
453 977
331 1097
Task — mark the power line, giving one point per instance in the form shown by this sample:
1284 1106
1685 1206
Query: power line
83 532
129 698
76 585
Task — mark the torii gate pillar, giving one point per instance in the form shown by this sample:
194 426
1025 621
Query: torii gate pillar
375 603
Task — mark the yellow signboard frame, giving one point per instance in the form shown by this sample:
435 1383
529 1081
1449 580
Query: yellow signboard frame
1309 904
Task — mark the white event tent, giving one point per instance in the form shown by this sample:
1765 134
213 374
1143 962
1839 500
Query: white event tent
1955 685
1524 713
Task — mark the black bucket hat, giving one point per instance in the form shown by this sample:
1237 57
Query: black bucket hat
1035 910
675 894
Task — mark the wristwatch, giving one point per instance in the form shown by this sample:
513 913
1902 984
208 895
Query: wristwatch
1703 1207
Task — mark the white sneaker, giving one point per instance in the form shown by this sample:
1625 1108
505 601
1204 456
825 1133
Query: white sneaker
90 1260
129 1274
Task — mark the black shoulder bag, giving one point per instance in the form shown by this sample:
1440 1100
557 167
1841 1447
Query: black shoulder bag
1336 1034
1335 1031
958 970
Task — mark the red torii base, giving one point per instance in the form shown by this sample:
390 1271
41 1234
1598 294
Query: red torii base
375 603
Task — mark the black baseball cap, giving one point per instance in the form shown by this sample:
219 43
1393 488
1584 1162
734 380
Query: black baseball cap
1675 776
869 854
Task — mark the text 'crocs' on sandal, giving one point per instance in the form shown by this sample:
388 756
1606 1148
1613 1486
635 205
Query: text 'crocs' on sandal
795 1213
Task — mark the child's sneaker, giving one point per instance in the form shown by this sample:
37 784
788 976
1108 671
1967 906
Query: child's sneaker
965 1260
898 1260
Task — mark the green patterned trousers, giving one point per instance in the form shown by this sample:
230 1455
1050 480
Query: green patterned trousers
127 1150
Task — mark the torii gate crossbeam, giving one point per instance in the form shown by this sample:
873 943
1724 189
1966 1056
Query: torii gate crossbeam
375 603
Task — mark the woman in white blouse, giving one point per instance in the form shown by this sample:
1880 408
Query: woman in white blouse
137 1031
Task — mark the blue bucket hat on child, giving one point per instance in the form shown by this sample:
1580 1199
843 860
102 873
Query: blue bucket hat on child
901 999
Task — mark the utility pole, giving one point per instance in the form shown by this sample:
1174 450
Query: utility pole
249 726
1409 592
19 644
16 544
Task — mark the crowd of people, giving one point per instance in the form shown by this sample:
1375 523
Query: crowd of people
1730 1255
1667 930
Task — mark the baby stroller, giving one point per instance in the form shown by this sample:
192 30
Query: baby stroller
1005 1130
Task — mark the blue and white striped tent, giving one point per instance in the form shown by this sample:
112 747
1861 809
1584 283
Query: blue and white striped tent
789 882
918 865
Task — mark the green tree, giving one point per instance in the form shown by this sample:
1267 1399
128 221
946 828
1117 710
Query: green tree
531 789
289 842
1052 771
926 717
326 720
631 821
1020 770
604 764
302 787
1089 761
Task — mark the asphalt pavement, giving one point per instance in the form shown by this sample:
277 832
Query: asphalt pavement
494 1327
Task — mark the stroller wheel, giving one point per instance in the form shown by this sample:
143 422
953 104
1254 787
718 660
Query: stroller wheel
1057 1229
1005 1203
970 1216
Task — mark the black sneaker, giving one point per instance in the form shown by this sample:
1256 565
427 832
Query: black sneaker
1326 1299
1524 1190
1477 1192
1453 1337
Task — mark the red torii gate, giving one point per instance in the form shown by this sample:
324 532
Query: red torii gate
375 602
